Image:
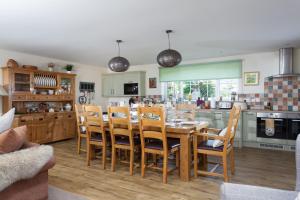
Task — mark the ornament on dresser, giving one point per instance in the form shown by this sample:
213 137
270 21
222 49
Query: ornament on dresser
51 67
69 68
12 63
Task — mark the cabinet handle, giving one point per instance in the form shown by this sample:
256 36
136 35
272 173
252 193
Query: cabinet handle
295 120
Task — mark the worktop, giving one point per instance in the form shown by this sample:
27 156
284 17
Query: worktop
249 110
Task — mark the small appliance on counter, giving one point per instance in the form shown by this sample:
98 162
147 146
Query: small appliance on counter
242 105
225 105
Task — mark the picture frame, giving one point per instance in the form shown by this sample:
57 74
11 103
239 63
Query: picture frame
251 78
152 83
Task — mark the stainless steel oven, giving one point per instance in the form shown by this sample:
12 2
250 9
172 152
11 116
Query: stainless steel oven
278 128
293 125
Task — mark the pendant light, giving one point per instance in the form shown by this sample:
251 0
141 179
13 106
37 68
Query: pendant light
169 57
118 64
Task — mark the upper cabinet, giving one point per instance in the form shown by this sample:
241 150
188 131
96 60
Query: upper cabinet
113 84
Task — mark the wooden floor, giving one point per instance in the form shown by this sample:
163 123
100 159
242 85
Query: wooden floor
253 166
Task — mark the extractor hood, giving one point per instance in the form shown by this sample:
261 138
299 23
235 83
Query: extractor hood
286 63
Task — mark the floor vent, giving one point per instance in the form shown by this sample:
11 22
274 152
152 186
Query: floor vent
271 146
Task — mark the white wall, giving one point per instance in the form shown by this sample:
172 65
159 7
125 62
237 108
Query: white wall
86 73
267 63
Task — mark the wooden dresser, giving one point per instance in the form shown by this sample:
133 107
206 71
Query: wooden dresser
35 94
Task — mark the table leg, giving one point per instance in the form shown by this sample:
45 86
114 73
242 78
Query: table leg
185 157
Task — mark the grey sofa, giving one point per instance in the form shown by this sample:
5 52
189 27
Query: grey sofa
231 191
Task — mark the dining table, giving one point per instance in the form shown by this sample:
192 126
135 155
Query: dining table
183 131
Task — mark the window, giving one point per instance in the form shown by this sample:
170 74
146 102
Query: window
191 90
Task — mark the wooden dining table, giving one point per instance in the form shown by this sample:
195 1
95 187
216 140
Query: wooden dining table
184 133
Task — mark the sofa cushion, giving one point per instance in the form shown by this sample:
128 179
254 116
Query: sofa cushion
230 191
6 120
12 139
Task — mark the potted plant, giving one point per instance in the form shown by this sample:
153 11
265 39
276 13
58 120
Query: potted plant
69 68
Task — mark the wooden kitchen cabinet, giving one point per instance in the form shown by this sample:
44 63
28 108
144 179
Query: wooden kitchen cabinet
33 93
48 127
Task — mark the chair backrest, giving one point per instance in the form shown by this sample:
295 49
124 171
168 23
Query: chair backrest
94 119
186 111
233 121
152 123
120 120
79 110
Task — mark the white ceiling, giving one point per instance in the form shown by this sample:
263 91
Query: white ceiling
85 31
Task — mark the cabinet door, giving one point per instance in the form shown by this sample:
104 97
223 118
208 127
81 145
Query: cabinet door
118 84
107 86
249 126
25 121
22 81
42 129
205 116
219 120
58 130
70 125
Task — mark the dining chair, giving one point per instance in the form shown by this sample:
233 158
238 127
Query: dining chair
122 136
219 144
186 111
81 129
96 135
154 138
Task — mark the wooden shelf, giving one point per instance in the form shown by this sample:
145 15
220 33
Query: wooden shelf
45 87
22 82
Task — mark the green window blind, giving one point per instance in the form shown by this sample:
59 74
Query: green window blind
202 71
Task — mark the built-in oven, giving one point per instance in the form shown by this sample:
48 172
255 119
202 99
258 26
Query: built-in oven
131 89
293 125
272 125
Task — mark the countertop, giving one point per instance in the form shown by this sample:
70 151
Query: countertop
249 110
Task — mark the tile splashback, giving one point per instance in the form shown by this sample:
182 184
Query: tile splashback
283 94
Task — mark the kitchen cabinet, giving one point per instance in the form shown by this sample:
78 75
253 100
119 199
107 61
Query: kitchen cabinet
113 84
48 127
249 127
219 119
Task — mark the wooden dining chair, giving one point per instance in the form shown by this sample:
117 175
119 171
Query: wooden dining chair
154 138
122 136
96 135
81 129
186 111
205 147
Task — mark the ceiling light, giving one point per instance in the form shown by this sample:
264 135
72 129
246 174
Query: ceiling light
169 57
118 64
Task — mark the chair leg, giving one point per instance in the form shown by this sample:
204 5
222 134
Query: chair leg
88 154
131 161
155 159
143 164
78 144
204 162
232 164
225 168
113 159
165 169
104 156
178 162
195 164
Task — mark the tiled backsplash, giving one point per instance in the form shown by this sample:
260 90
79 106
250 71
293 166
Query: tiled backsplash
283 94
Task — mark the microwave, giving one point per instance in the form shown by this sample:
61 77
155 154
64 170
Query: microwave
131 89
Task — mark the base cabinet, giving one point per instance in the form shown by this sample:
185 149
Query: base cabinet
48 127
